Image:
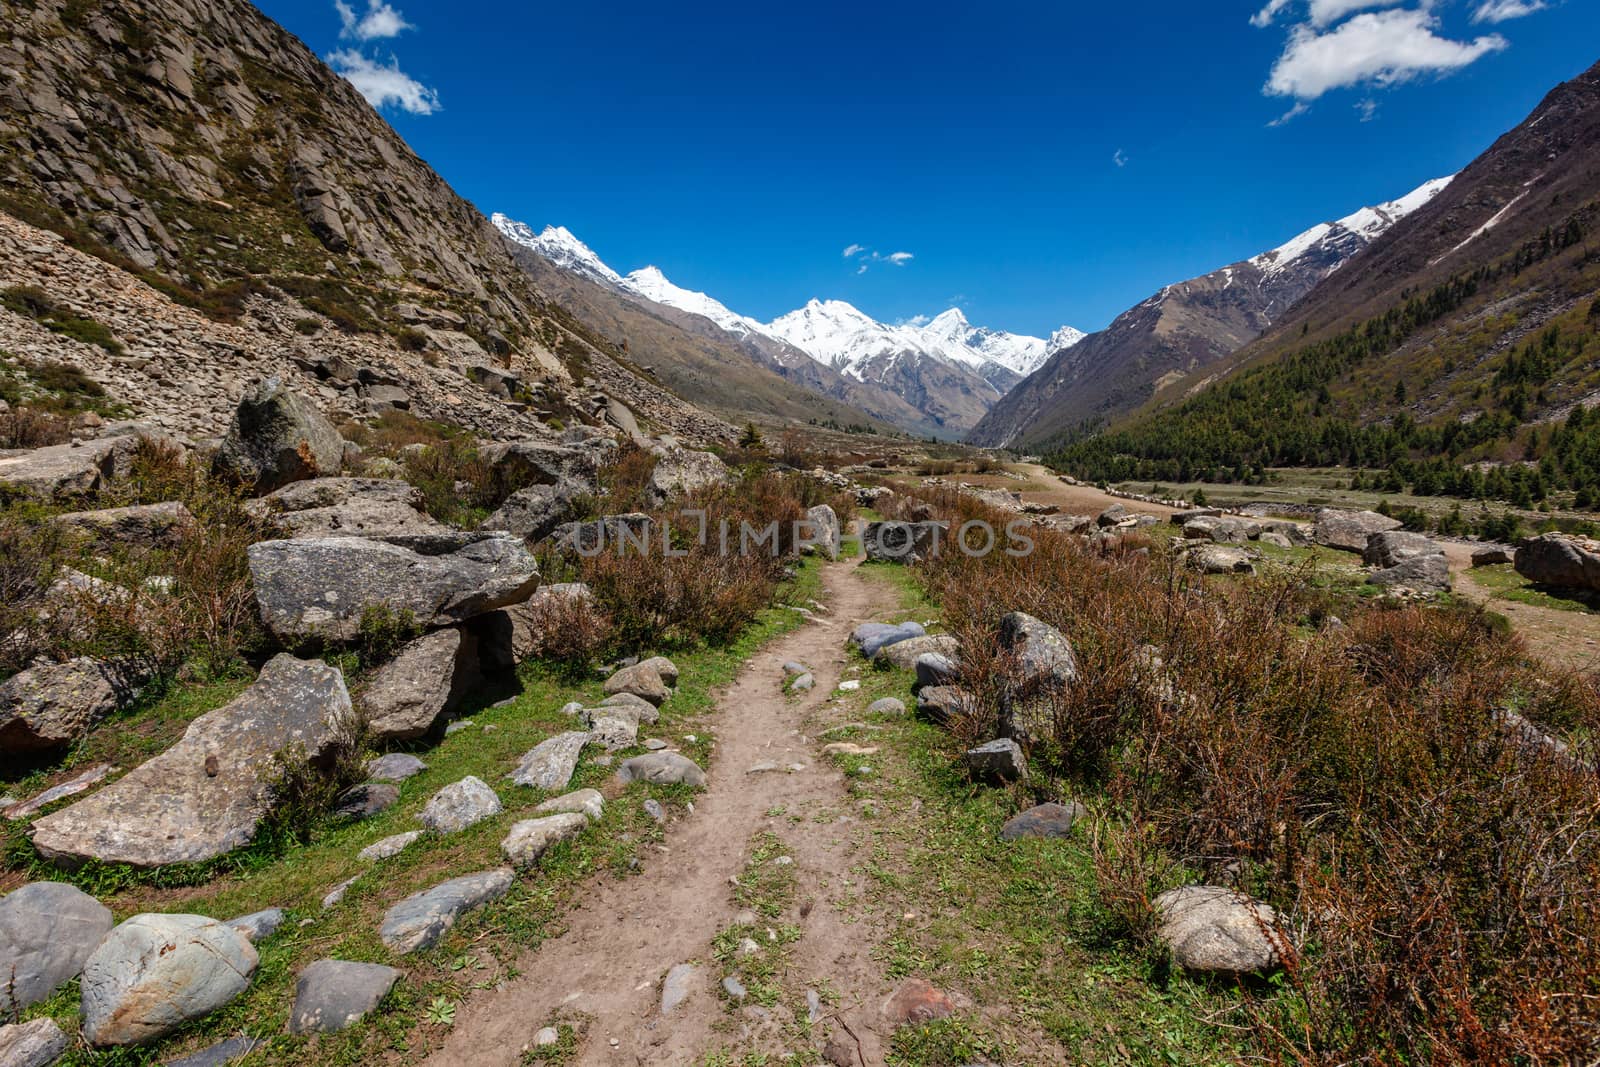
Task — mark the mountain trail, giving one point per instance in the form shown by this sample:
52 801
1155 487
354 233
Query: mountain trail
605 972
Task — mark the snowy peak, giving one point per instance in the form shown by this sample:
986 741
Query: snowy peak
1360 227
559 246
1065 337
653 285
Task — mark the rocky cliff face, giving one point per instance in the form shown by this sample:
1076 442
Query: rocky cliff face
200 147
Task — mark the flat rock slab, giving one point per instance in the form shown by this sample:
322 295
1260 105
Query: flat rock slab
149 525
676 987
379 509
259 925
405 698
1000 760
531 838
1217 930
331 995
870 637
206 795
1348 530
154 973
903 654
70 470
590 803
48 707
662 768
550 763
613 728
32 1044
316 589
389 846
72 787
221 1054
1045 820
460 805
420 920
47 932
916 1001
395 767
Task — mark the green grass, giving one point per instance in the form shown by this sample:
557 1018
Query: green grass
1504 583
484 947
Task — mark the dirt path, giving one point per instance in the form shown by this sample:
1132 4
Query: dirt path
1046 487
609 963
1562 638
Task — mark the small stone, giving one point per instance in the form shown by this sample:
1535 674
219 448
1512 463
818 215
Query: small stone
850 686
389 846
662 768
420 920
654 809
259 925
654 744
336 894
460 805
749 946
802 683
888 707
676 988
365 800
999 760
590 803
813 1005
734 988
331 995
395 767
546 1037
794 669
1045 820
531 838
764 767
917 1001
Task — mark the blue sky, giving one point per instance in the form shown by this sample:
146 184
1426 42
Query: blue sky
1042 163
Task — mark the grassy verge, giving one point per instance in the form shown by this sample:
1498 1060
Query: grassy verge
485 946
1504 583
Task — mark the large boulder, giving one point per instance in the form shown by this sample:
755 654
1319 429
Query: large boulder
903 542
550 763
154 973
1221 530
50 706
824 530
420 920
642 680
902 655
1347 530
533 513
317 589
519 464
206 794
405 698
1420 574
47 932
67 471
1389 548
331 995
1210 558
38 1043
379 509
1045 668
681 471
1214 929
277 437
627 533
1560 560
141 525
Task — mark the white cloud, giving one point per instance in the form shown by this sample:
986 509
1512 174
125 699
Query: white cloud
1264 17
1368 109
1498 11
380 21
866 257
1321 12
1300 108
915 320
1120 158
1381 48
384 85
854 250
899 259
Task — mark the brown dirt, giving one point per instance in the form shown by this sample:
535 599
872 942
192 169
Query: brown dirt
607 967
1569 639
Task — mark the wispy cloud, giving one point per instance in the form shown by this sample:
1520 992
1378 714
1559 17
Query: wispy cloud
1498 11
1342 44
1300 108
865 257
384 84
378 23
1120 158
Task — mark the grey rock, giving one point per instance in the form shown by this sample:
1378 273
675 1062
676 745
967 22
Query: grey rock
656 812
529 839
460 805
1423 574
207 794
389 846
869 637
534 513
47 931
664 667
888 707
67 471
1293 532
1491 555
1183 518
395 767
72 787
676 987
259 925
642 680
365 800
902 655
143 525
1046 669
277 437
331 995
824 530
682 471
735 989
48 707
1348 531
935 669
1389 548
420 920
1043 820
1560 560
1275 539
549 764
377 509
628 703
1217 930
793 669
37 1043
942 703
662 768
1221 530
903 542
1113 515
628 533
590 803
1001 760
154 973
220 1054
336 895
318 588
1219 559
405 698
802 683
525 463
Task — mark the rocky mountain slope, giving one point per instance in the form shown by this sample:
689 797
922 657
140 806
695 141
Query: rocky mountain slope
936 377
200 148
1443 352
1183 331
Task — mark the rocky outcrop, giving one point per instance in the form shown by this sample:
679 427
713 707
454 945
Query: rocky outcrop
1348 531
1561 561
205 795
378 509
141 525
154 973
65 472
681 471
47 932
50 706
317 589
277 437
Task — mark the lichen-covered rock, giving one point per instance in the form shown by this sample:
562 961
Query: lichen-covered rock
144 525
662 768
533 513
420 920
642 680
460 805
52 705
331 995
405 698
154 973
378 509
1218 930
1349 530
47 932
312 589
277 437
550 763
682 471
206 794
38 1043
531 838
824 530
1560 560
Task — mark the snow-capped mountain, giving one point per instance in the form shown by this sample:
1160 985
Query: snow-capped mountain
944 371
1185 331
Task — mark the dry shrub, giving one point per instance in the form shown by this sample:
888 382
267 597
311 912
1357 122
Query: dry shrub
1441 874
458 487
29 561
627 479
570 631
27 428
